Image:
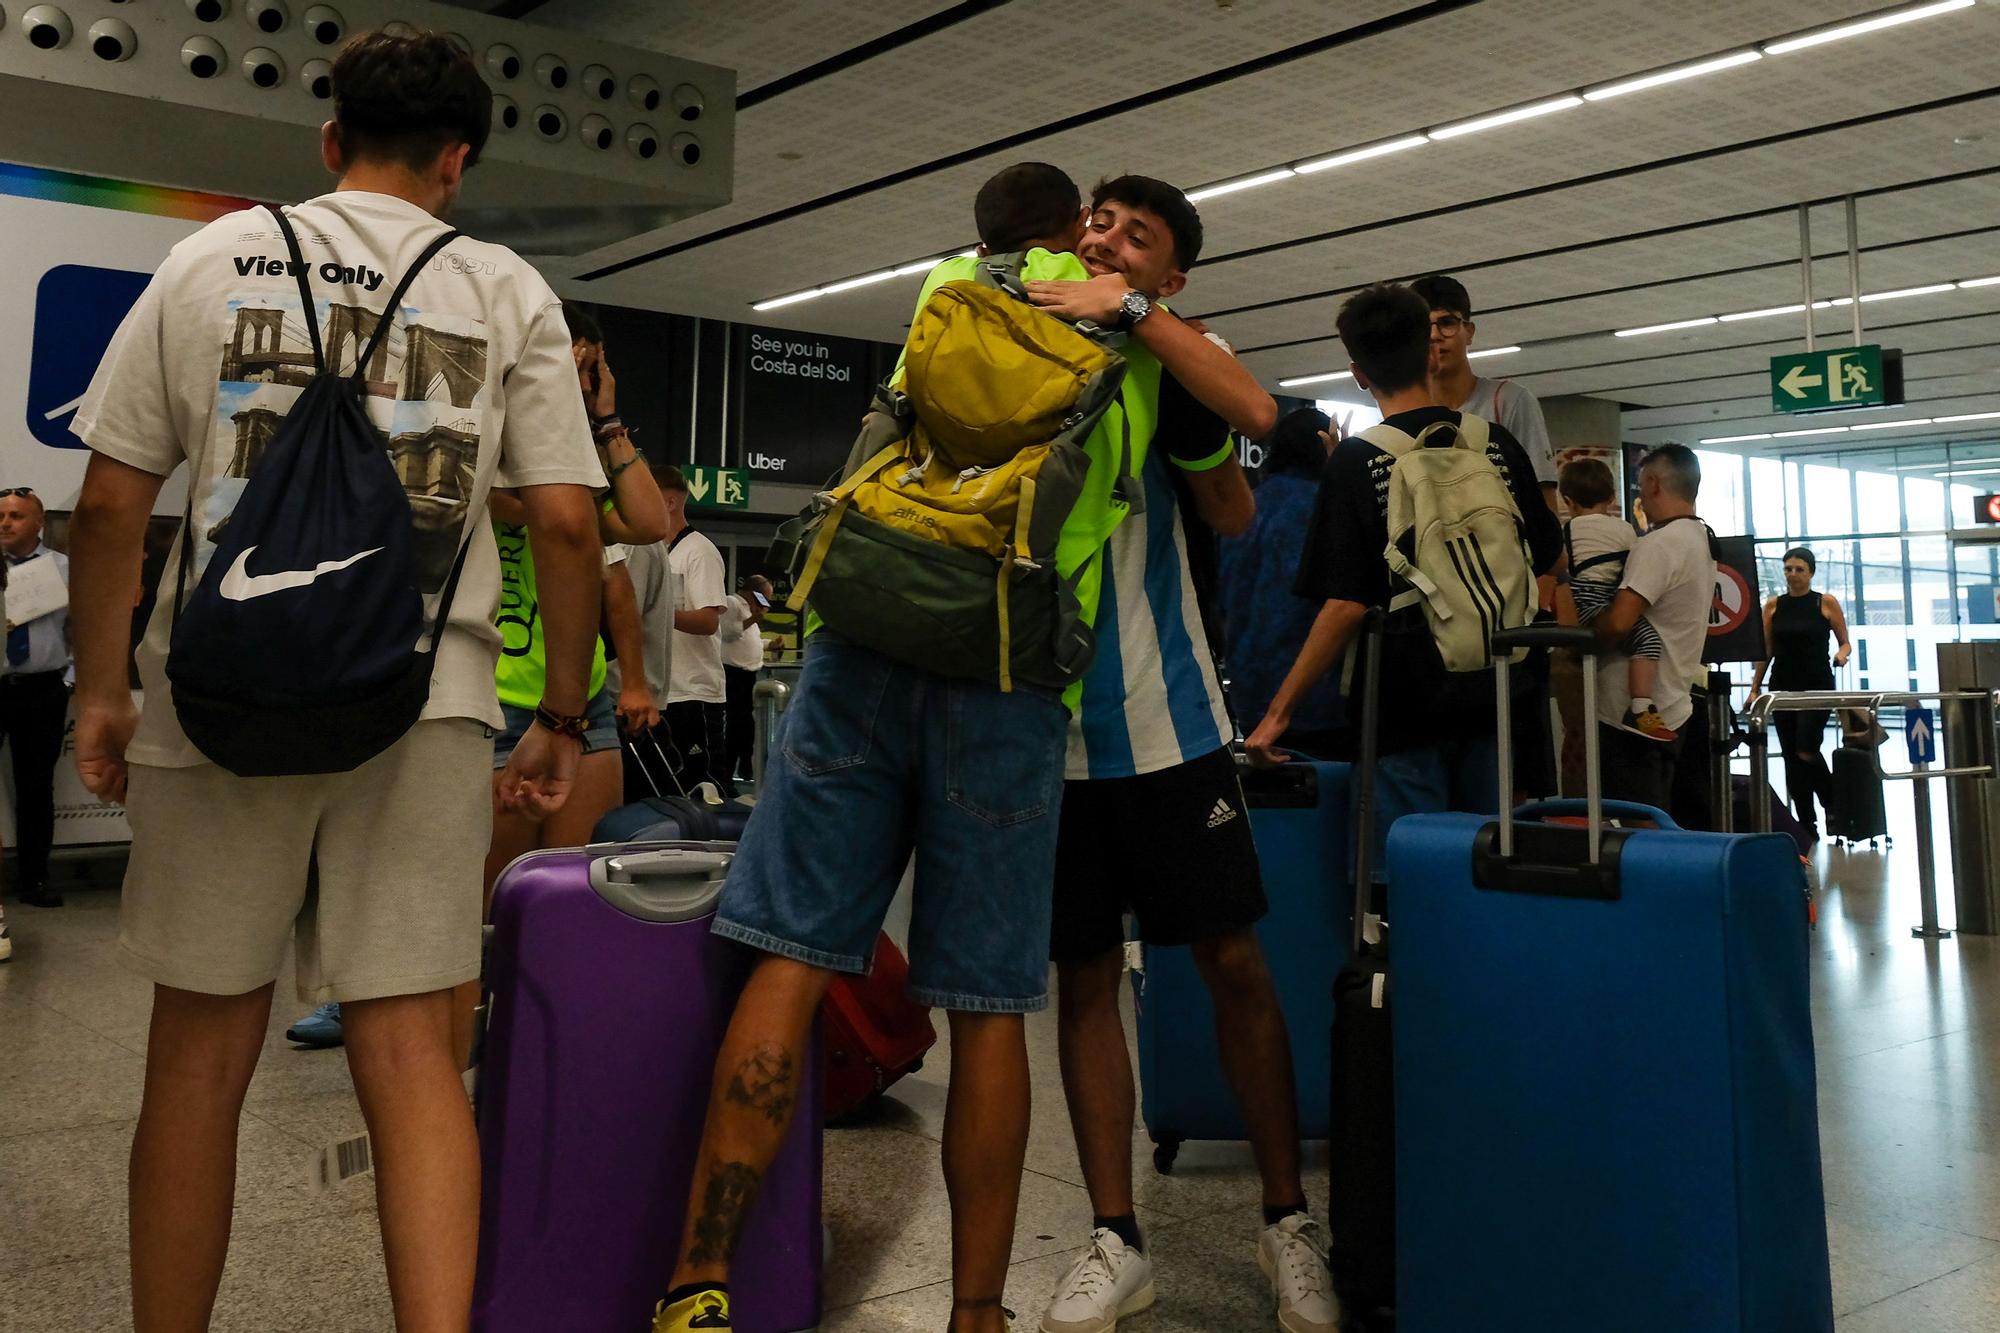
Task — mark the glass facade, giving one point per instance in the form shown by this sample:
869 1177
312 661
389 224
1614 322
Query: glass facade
1879 523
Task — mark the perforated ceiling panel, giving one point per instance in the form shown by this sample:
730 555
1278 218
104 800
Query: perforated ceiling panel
868 126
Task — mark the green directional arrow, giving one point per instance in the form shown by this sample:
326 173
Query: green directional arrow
1796 381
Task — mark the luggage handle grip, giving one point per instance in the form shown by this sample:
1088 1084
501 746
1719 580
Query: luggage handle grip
1572 806
665 885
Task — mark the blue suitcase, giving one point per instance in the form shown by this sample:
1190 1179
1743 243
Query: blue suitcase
1298 816
1605 1100
673 819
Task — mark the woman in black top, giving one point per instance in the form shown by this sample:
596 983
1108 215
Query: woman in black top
1797 628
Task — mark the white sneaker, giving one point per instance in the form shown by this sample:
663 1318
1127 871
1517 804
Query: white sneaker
1293 1255
1112 1280
6 941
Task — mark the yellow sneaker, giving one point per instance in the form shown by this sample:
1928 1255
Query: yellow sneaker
705 1311
1651 725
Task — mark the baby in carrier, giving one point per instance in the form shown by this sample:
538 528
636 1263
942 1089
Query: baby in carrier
1597 539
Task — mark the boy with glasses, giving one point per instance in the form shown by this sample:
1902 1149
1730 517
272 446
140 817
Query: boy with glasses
1503 402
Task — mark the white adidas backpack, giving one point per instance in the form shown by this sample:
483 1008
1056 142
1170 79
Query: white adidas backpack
1472 571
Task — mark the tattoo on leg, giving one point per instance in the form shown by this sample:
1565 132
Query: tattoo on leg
764 1083
730 1191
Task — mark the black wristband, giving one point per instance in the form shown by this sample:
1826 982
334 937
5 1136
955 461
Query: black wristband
573 727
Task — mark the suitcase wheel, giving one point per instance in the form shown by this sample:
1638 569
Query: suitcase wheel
1164 1153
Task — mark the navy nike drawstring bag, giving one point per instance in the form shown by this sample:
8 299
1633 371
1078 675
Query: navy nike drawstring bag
300 650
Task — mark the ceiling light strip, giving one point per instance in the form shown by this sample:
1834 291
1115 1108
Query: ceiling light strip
1844 430
1499 118
1666 76
1855 28
1298 380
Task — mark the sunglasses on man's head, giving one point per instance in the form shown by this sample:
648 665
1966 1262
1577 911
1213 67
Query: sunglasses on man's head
16 490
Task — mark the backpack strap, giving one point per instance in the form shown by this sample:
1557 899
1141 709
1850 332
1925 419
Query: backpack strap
396 299
305 288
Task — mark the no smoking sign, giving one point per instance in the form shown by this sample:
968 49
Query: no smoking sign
1734 599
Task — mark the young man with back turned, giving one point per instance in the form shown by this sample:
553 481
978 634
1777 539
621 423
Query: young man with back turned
377 868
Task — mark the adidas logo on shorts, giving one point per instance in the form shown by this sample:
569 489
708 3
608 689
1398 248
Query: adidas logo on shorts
1222 814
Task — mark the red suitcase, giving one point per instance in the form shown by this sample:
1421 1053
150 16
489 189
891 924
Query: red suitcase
874 1032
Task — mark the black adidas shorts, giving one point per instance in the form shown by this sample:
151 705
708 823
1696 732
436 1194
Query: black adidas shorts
1172 847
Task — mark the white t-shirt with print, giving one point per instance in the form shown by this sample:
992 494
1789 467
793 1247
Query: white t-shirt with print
474 387
697 665
1671 568
742 639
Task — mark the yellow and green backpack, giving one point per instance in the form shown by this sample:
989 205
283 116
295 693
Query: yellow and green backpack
938 545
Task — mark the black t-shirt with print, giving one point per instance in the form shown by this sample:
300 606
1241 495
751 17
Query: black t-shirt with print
1342 561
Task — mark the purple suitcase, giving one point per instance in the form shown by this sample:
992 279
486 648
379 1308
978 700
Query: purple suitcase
609 1000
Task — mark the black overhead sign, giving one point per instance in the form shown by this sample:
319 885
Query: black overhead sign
799 400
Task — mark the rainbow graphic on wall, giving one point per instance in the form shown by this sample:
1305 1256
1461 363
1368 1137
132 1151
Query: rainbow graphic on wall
95 192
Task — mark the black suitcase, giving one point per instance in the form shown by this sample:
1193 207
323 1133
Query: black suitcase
1854 808
1361 1134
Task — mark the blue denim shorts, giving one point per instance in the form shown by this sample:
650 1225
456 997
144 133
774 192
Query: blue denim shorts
879 760
600 729
1456 774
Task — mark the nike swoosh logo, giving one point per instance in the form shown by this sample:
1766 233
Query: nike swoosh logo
240 585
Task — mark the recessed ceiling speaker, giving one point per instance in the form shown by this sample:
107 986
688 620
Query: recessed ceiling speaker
506 115
686 149
208 11
596 132
552 72
263 67
688 102
550 122
644 90
203 56
113 40
316 77
47 28
267 16
325 24
600 83
644 141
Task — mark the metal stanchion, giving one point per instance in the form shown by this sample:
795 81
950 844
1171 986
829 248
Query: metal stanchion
1721 714
1760 768
1926 861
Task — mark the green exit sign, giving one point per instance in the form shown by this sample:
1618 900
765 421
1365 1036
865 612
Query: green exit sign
717 487
1841 378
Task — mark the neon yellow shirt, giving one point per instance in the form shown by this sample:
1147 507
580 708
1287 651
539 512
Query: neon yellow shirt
522 673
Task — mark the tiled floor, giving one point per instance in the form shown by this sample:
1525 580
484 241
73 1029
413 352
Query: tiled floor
1909 1042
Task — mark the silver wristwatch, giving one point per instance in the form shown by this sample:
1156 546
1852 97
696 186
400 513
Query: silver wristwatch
1133 308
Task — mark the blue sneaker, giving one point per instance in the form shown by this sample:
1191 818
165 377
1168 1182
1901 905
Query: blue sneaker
319 1029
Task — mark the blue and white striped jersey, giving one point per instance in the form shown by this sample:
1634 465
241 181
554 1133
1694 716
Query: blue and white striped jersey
1152 700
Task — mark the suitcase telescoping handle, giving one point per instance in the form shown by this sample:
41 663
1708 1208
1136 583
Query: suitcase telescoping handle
1584 642
1364 778
664 884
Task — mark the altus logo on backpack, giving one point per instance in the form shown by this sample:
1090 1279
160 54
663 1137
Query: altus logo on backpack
911 514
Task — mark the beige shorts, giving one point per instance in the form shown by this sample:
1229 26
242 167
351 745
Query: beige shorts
375 873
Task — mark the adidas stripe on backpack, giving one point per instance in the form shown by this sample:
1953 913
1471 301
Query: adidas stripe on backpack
1457 541
301 648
